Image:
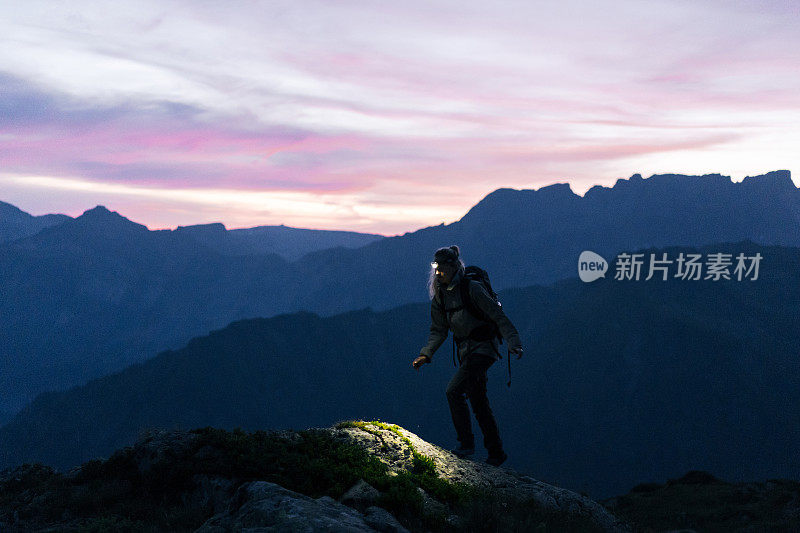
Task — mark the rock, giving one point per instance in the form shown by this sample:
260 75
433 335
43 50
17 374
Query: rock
455 521
360 496
160 446
382 520
264 506
432 506
391 446
213 492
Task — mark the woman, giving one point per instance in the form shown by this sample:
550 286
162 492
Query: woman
477 345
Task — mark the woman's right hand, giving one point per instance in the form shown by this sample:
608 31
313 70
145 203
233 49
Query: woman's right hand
419 361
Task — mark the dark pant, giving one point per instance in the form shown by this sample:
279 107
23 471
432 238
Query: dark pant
470 381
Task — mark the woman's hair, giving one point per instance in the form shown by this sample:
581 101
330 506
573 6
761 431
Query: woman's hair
450 255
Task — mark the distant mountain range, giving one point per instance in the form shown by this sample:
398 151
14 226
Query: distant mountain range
86 296
94 294
623 381
289 243
16 223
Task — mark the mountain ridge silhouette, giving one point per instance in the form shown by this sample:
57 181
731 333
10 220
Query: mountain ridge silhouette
119 296
622 381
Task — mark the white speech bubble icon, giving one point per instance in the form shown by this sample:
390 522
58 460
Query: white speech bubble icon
591 266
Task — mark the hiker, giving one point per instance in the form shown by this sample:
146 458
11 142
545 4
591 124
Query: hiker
455 302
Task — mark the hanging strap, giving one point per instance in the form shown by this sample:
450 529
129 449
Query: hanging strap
508 355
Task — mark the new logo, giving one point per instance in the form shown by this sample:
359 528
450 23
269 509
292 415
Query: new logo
591 266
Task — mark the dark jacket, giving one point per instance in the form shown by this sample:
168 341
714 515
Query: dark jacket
462 322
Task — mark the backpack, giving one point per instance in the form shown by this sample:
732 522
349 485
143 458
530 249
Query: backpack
490 330
475 273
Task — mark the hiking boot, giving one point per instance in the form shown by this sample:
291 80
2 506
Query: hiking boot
496 459
463 451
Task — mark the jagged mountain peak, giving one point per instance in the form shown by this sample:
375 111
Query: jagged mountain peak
657 183
557 190
211 228
16 223
100 215
777 179
502 201
552 198
99 211
11 211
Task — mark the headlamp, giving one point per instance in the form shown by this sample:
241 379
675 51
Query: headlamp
434 265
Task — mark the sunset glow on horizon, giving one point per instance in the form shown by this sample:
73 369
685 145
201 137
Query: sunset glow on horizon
382 118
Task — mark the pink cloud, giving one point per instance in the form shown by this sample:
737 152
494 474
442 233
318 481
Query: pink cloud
176 155
426 97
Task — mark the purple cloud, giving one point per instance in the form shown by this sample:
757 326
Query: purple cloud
362 101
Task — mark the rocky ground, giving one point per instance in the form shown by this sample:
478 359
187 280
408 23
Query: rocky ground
396 447
355 476
698 501
261 504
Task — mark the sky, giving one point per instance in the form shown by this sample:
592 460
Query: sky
381 117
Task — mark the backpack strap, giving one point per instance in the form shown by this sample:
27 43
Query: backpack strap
467 302
445 310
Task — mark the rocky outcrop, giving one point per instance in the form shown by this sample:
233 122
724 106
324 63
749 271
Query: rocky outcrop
219 481
266 505
395 447
360 496
269 507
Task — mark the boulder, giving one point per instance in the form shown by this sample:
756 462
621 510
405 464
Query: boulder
264 506
360 496
382 520
392 447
